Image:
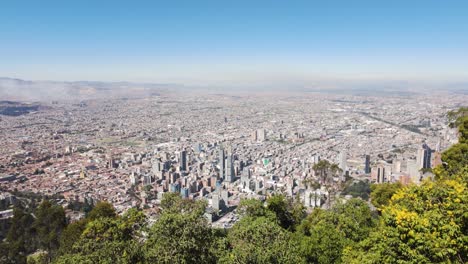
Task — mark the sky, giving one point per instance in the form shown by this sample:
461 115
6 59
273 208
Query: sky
219 42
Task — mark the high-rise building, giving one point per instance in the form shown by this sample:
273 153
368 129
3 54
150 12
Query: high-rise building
134 178
187 161
367 168
254 135
111 162
183 160
157 166
167 165
221 161
147 180
312 198
212 181
215 202
316 158
197 147
229 171
423 158
261 134
396 166
174 187
245 174
225 196
342 161
381 174
412 167
184 192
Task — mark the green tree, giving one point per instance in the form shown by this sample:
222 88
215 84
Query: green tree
426 223
181 234
253 208
278 204
360 189
457 117
102 209
285 211
259 240
109 240
422 224
324 244
326 171
75 258
455 158
353 219
324 234
4 252
19 239
48 225
70 235
220 245
40 257
297 211
382 193
463 130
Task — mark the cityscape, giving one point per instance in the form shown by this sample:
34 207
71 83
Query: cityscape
233 132
221 148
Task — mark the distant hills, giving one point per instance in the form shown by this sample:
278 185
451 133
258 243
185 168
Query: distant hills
21 90
9 108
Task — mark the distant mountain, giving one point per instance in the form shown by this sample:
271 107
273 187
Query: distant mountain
22 90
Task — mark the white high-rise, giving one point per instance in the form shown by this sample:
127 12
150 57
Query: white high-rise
342 161
261 134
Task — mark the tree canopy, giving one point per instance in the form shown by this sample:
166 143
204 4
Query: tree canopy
382 193
181 234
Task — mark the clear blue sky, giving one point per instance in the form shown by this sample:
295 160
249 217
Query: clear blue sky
223 41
